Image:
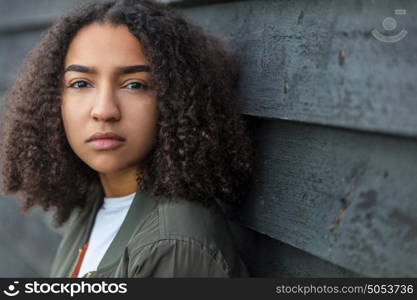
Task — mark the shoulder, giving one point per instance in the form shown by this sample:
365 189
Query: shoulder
182 238
182 218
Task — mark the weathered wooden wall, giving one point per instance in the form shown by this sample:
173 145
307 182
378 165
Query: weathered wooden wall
332 112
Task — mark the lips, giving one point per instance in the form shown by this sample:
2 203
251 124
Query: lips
105 140
105 135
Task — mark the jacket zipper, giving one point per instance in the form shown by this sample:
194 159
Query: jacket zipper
82 250
77 263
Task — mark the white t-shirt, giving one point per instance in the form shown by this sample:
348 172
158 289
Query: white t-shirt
108 220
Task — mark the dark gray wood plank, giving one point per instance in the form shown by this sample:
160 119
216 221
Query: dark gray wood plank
346 197
267 257
297 43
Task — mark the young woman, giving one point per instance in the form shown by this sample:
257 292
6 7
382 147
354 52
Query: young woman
123 120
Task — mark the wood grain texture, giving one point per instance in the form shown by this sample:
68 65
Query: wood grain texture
298 45
267 257
345 197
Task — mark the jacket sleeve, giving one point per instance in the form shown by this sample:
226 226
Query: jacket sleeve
169 258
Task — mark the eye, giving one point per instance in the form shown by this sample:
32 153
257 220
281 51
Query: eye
79 84
136 86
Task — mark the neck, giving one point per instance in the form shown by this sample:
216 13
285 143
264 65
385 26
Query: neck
118 184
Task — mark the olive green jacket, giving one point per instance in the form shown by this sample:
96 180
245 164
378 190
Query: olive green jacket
157 239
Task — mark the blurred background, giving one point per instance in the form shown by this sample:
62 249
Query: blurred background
27 241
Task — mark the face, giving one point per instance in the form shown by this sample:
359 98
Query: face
108 107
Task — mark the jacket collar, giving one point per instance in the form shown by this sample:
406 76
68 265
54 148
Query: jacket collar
141 206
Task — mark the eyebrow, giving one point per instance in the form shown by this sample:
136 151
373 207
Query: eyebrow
120 70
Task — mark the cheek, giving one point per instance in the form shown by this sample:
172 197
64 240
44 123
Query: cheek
71 121
141 126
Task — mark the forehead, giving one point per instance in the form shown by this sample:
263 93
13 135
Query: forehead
106 45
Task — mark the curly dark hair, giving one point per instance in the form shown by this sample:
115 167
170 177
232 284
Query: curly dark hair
203 150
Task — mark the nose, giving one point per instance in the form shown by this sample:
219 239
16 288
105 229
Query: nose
105 106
